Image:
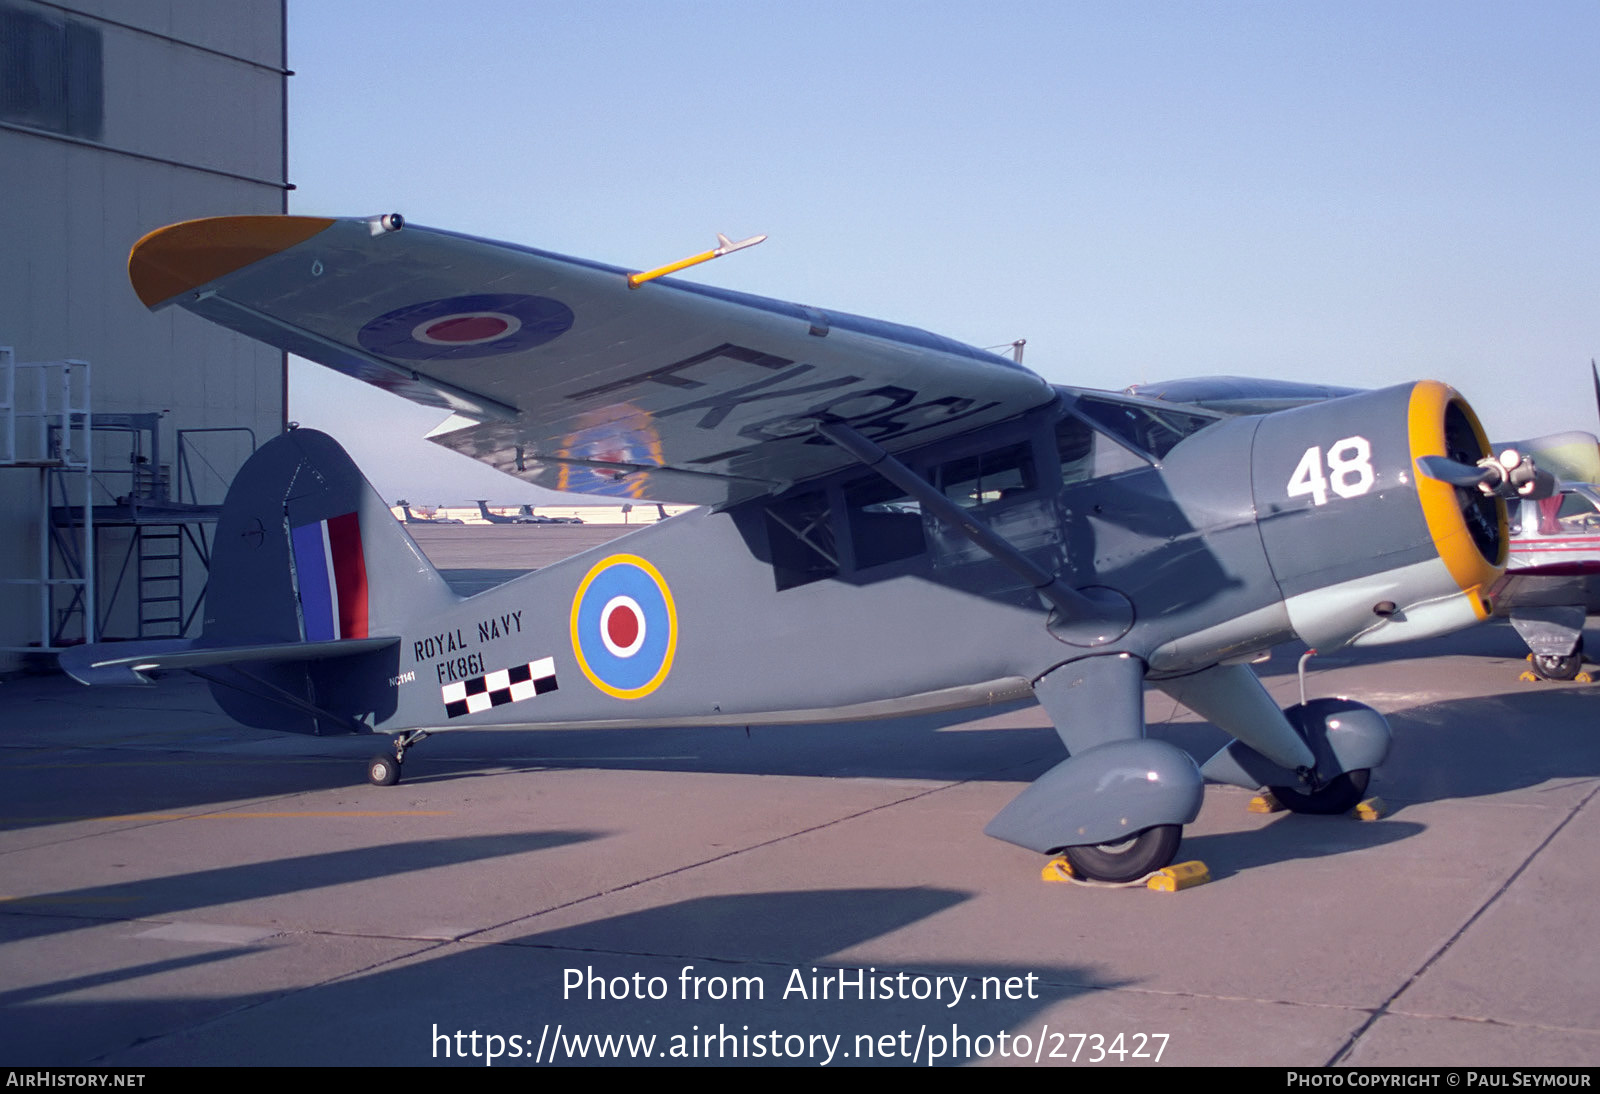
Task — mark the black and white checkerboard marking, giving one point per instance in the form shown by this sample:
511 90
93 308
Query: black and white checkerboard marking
496 689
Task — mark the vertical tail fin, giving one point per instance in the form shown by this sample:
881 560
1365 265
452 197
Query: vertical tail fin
312 582
306 551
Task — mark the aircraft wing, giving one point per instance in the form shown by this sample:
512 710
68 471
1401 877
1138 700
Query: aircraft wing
560 373
1240 394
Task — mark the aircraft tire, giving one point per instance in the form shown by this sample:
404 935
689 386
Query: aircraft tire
1552 667
383 771
1339 794
1129 860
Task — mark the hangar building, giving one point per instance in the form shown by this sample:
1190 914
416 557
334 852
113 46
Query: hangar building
118 117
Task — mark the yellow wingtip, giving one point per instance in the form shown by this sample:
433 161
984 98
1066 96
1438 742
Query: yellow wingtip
183 256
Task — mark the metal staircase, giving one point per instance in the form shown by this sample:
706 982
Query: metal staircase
160 588
121 509
164 529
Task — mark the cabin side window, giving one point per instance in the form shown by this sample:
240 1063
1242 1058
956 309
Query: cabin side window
988 477
885 523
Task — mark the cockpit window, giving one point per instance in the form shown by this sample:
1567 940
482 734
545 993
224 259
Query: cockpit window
1575 504
1156 430
1086 454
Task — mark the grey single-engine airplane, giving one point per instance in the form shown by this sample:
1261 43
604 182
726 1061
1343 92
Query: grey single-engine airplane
891 522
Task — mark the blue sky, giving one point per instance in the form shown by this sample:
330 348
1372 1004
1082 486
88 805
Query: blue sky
1353 193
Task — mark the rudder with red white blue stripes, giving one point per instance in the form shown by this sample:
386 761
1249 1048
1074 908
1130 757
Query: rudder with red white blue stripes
331 578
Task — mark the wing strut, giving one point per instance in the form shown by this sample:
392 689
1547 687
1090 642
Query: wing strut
1090 617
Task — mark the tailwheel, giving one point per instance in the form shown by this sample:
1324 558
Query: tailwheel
1129 860
383 771
1339 794
1552 667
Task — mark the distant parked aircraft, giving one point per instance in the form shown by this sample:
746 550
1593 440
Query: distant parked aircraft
412 518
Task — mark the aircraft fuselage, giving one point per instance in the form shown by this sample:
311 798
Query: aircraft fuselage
1212 540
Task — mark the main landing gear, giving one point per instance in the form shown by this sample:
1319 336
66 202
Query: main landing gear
1157 847
384 770
1549 666
1345 738
1116 806
1554 635
1339 794
1130 860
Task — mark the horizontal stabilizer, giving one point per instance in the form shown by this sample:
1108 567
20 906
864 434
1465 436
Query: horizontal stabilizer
129 662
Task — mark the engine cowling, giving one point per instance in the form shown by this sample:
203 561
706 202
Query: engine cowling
1365 548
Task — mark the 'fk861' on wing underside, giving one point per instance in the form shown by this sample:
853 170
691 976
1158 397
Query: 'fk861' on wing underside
561 373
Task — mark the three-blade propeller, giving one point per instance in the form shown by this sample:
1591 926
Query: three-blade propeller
1509 475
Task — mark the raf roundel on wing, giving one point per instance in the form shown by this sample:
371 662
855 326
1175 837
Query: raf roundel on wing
460 327
624 627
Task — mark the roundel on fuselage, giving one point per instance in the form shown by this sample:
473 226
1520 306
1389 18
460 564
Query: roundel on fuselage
624 626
